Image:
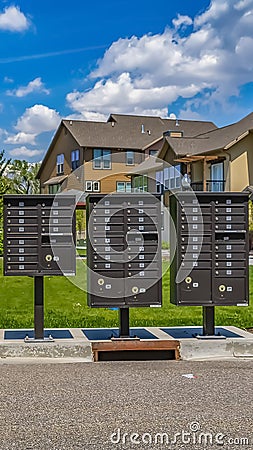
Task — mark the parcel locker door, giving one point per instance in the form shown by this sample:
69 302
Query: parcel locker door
106 288
195 289
230 291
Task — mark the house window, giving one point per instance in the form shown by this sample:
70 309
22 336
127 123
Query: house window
159 182
53 188
92 186
96 186
129 158
60 164
217 178
123 186
153 152
75 159
140 183
172 177
101 159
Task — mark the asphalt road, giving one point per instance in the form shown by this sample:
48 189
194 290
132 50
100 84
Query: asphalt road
81 405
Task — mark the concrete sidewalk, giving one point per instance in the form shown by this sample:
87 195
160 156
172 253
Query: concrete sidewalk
75 344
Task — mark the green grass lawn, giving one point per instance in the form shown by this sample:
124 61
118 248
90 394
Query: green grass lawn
66 306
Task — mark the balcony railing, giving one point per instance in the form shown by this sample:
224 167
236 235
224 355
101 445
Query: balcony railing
211 186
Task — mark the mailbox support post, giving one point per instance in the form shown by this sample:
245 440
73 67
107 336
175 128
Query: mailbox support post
124 329
39 307
208 321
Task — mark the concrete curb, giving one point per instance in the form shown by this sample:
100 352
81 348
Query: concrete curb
79 348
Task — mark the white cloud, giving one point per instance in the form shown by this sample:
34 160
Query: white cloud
8 80
182 20
21 138
12 19
35 85
24 152
37 119
207 54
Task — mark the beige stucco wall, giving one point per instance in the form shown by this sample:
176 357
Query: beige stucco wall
64 144
241 156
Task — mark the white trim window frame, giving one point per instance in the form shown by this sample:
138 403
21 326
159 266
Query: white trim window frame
60 164
75 159
129 158
102 159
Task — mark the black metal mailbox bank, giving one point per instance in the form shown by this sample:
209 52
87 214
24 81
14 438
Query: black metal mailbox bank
39 235
124 250
210 267
39 239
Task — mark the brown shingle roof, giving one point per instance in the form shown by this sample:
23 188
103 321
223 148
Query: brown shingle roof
133 132
217 139
125 131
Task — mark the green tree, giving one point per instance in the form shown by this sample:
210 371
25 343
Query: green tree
251 215
5 187
23 177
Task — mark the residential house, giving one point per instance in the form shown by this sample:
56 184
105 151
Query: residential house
218 160
99 156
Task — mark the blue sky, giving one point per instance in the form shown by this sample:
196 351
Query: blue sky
85 60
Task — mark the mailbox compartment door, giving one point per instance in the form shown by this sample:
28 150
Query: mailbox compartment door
230 291
196 288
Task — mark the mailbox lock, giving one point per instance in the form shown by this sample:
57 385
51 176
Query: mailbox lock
188 280
222 288
101 281
48 258
135 290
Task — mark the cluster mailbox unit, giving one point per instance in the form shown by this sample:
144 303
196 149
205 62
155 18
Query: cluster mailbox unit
39 235
124 250
210 266
39 240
